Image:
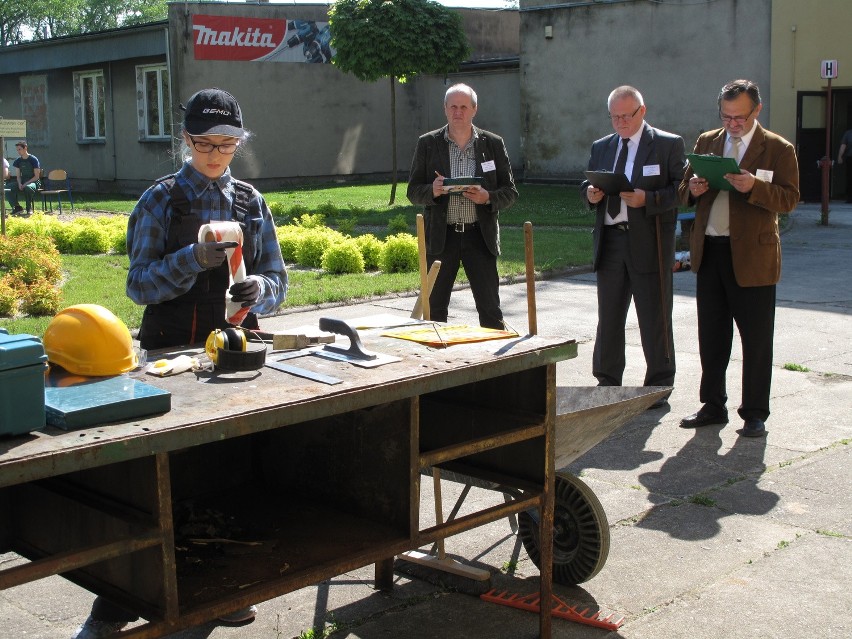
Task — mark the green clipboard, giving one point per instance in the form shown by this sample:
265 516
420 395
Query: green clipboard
713 169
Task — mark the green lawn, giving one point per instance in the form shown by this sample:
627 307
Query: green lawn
542 204
561 232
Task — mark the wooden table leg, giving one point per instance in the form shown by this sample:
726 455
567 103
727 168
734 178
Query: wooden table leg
384 574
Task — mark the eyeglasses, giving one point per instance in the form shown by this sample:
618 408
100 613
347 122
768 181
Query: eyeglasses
206 147
624 118
739 119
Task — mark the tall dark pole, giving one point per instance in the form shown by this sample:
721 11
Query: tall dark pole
826 161
3 201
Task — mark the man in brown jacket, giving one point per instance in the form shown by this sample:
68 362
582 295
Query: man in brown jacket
736 253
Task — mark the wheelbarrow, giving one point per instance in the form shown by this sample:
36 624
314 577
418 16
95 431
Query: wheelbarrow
585 416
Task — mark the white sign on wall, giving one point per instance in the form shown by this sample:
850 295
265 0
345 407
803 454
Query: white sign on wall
13 128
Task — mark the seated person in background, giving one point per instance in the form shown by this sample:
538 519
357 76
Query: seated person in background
5 170
27 181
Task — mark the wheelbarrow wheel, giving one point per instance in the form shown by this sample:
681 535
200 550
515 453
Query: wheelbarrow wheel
580 532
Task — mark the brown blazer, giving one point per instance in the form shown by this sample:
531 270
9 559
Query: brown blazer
755 240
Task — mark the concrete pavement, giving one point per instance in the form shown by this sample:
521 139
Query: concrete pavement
712 535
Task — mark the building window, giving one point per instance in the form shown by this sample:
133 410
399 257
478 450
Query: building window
154 102
89 102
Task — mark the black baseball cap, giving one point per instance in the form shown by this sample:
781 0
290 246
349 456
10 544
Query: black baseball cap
213 112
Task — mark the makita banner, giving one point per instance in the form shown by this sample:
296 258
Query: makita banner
260 39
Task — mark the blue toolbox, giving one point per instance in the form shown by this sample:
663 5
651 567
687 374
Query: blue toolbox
22 366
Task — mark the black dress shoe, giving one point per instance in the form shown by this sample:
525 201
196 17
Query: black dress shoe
753 427
705 417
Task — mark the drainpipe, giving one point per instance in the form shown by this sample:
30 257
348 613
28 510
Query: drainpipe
172 136
112 122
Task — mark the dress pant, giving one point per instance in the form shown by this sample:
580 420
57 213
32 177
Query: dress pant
467 248
618 282
848 162
14 195
721 302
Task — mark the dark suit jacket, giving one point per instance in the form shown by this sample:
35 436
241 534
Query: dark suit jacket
658 148
433 154
755 241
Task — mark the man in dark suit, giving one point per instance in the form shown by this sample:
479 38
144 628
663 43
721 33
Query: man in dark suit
634 240
736 253
462 227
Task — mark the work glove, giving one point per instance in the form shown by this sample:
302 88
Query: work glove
211 254
247 291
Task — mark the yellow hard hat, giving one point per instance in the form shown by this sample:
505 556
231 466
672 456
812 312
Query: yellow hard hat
87 339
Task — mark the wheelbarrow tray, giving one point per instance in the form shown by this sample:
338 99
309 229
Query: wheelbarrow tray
587 415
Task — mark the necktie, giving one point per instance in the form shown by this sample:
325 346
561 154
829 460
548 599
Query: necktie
613 204
719 221
735 149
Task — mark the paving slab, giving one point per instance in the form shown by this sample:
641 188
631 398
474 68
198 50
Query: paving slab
711 535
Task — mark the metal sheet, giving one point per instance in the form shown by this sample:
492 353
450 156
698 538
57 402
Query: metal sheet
304 372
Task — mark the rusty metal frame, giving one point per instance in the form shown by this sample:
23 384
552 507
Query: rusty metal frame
154 439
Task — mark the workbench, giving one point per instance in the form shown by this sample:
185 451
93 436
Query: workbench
307 480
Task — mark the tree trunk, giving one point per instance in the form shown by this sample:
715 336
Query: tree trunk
393 139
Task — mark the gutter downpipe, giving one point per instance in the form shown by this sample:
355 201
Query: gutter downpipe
112 123
172 136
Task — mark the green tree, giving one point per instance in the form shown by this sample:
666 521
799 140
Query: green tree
395 39
25 20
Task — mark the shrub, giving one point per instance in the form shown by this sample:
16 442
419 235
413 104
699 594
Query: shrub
398 224
343 257
278 209
346 225
63 237
39 224
297 210
119 243
89 239
309 221
399 254
33 271
116 229
21 248
30 257
288 240
313 242
42 298
371 250
9 296
327 210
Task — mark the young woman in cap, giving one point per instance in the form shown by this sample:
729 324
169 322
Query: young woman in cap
183 281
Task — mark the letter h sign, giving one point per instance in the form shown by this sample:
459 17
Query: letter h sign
828 69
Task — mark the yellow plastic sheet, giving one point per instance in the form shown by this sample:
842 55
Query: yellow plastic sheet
439 335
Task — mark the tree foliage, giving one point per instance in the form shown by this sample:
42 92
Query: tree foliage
377 39
26 20
395 39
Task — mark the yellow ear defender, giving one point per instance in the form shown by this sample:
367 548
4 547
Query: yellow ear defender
228 349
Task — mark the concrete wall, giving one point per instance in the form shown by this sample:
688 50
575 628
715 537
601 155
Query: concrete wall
311 122
677 55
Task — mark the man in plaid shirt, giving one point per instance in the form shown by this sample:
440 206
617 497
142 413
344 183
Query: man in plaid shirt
462 227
